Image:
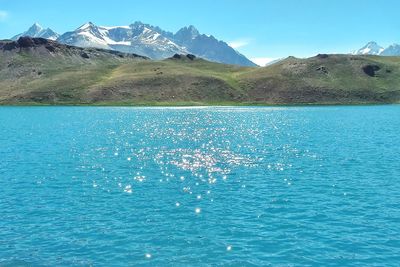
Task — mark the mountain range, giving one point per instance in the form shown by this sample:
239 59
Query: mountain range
144 39
155 43
372 48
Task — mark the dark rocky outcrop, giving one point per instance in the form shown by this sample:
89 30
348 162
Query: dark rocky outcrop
8 46
371 70
25 42
322 69
85 55
188 56
28 42
322 56
191 57
52 49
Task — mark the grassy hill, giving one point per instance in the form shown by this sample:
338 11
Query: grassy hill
38 71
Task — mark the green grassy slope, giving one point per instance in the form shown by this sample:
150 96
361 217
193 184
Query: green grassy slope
68 75
327 79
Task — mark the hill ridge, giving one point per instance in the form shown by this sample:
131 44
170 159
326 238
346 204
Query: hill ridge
44 72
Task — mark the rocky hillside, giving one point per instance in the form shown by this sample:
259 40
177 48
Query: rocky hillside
39 71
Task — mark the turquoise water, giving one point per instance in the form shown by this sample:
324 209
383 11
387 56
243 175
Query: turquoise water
298 186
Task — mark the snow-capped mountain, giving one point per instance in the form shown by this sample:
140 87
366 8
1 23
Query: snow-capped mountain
371 48
136 38
151 41
38 31
87 35
392 50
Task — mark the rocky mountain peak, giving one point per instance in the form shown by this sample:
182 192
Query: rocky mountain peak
36 30
187 33
86 26
373 48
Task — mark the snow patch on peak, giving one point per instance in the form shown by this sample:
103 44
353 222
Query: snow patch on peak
37 25
371 48
114 27
86 26
37 31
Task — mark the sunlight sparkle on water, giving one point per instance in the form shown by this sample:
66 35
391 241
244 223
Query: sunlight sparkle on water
210 186
128 189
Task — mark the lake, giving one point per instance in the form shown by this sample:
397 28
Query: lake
228 186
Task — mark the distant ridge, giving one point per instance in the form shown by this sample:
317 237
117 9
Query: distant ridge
372 48
41 71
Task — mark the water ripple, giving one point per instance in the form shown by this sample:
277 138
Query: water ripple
200 186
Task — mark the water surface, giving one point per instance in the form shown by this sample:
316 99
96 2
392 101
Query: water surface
299 186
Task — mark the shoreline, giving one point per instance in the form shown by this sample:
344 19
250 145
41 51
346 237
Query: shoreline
196 104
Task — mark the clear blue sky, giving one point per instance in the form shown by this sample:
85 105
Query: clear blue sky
258 28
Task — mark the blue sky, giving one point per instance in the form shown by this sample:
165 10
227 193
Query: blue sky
257 28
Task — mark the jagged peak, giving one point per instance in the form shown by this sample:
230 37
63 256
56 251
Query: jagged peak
87 25
137 23
372 44
139 26
371 48
187 32
193 29
189 29
35 27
